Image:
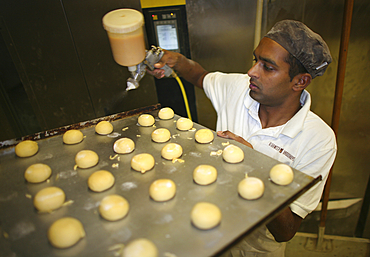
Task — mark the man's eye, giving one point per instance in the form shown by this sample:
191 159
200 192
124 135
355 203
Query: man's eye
267 67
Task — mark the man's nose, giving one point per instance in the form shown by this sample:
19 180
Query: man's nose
253 72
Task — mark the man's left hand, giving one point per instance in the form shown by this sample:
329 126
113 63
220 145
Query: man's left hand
230 135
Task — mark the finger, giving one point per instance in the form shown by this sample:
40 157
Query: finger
225 134
158 73
159 64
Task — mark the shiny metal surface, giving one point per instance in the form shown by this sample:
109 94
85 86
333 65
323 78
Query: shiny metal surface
65 66
167 224
221 37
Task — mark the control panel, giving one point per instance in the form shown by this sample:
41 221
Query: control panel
166 27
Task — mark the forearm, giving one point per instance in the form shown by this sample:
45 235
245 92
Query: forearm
191 71
285 225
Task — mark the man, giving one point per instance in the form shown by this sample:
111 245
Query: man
268 109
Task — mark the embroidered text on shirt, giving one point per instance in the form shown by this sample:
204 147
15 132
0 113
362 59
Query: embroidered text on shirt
282 151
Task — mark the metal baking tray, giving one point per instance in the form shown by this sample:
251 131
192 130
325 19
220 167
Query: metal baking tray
167 224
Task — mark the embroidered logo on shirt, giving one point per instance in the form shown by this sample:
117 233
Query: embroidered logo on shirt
282 151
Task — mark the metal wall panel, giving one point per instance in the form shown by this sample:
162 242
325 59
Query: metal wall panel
63 58
221 37
105 79
46 60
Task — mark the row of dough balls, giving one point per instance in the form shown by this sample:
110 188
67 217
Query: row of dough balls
67 231
51 198
148 120
29 148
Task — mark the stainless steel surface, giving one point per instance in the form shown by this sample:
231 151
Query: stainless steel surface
167 224
221 37
65 66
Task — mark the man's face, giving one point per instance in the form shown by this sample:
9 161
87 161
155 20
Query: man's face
270 82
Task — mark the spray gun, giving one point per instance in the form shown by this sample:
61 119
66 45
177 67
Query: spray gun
125 33
152 57
137 72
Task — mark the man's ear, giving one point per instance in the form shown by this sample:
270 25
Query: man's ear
302 81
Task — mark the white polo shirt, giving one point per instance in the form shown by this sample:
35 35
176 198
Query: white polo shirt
305 142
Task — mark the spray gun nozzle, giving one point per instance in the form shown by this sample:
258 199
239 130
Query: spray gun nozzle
138 71
132 84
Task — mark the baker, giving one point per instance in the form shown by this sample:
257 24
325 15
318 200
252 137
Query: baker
268 109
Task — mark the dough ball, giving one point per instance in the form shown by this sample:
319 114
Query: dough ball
26 148
65 232
204 136
171 151
166 113
146 120
104 128
161 135
184 124
140 247
282 174
37 173
100 181
205 174
233 154
205 215
142 162
251 188
49 199
72 136
113 207
124 145
162 190
86 159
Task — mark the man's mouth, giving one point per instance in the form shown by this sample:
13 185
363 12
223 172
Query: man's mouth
252 85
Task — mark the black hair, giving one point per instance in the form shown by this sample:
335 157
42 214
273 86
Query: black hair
296 66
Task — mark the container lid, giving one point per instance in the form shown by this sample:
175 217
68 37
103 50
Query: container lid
123 20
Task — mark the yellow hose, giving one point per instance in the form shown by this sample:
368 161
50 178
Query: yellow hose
183 94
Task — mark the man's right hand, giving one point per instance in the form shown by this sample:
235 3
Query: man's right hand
191 71
169 58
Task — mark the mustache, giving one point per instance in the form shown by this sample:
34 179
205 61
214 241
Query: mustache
253 81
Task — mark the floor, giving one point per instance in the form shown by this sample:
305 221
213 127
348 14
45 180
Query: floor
305 245
338 238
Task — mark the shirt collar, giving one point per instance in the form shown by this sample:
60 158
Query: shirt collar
295 124
252 105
